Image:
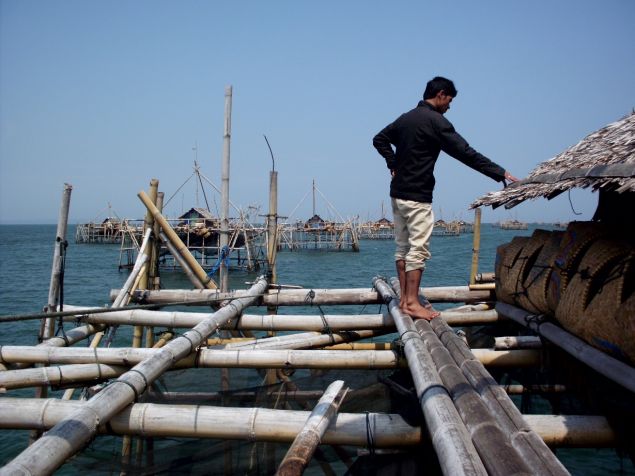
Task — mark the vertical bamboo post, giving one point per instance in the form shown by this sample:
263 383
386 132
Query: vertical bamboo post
224 237
272 226
156 284
476 245
47 329
56 272
145 277
272 250
224 218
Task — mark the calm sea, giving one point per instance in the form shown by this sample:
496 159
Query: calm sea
26 253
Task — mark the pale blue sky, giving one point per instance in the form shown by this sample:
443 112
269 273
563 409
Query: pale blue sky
107 95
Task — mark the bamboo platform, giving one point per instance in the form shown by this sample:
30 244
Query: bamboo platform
294 388
468 417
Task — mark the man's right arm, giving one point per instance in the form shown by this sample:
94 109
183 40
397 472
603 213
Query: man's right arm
383 144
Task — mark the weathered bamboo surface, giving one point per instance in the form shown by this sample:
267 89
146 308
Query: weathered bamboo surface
262 424
493 445
496 451
304 297
459 367
508 417
517 342
243 358
56 270
306 340
269 322
614 369
449 436
308 439
68 375
71 434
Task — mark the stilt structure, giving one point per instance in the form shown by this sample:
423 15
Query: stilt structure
455 416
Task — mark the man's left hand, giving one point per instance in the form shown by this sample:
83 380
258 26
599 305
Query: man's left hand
510 177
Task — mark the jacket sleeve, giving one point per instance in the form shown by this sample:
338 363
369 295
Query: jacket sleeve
453 144
383 144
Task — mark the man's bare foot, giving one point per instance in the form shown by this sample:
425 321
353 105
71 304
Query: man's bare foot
420 312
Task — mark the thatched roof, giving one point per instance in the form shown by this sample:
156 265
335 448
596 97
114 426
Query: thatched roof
604 160
195 212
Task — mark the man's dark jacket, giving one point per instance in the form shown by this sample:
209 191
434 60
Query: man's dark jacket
419 136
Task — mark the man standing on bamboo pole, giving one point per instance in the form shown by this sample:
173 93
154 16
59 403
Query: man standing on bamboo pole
418 137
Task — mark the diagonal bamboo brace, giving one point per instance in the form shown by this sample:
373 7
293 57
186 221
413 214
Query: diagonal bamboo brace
306 442
198 271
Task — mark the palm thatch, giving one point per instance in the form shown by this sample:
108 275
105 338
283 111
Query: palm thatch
604 160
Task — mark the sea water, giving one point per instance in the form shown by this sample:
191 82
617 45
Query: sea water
91 271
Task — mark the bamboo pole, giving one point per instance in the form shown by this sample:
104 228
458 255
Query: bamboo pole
94 343
270 322
307 440
361 346
494 447
509 418
68 375
206 358
72 433
517 342
176 241
47 329
306 340
148 224
272 226
241 358
184 265
476 245
262 424
606 365
496 451
482 287
56 271
538 388
449 436
70 337
307 297
224 215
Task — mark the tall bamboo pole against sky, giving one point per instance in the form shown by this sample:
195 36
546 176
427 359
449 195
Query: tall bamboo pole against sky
224 218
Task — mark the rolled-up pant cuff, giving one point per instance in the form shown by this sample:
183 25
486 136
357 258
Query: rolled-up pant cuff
415 266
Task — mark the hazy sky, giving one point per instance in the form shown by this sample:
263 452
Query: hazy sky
106 95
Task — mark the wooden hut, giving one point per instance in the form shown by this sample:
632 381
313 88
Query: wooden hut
196 216
603 161
577 287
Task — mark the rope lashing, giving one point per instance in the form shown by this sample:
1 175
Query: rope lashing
223 258
63 244
370 438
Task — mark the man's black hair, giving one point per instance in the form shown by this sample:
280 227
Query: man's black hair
437 84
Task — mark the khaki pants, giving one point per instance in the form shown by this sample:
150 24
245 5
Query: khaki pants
413 228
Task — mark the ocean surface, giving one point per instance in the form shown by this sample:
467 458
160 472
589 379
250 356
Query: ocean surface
91 271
